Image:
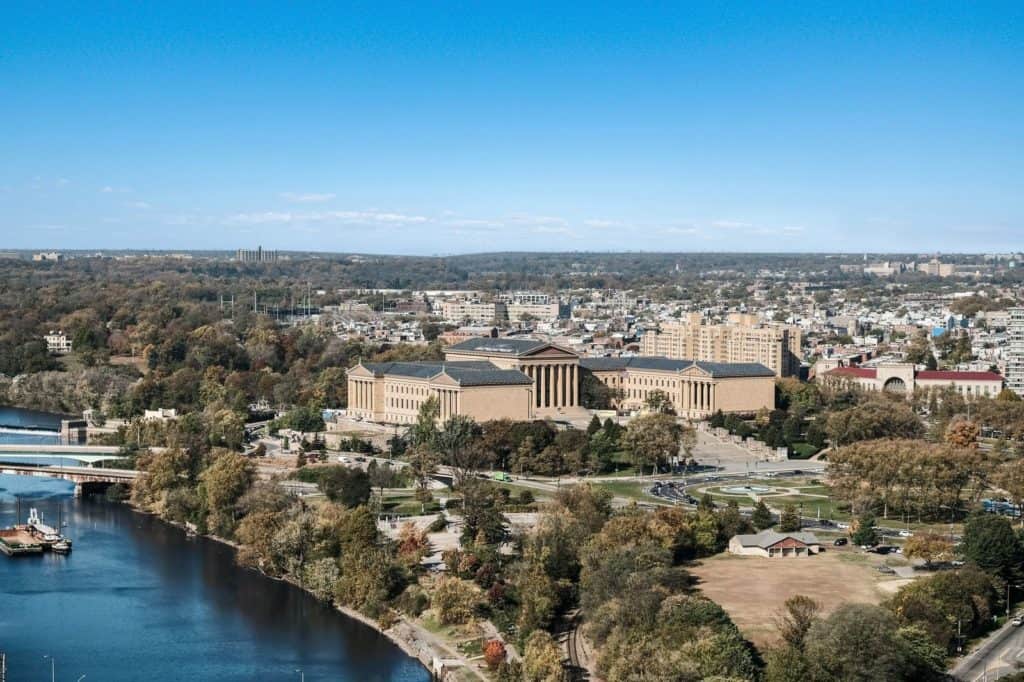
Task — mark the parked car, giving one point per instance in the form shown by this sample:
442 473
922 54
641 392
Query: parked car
844 526
1017 621
344 460
887 570
906 534
840 542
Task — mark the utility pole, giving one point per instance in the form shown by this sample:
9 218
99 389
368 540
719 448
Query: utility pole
3 667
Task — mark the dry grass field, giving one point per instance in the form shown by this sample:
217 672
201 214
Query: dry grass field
753 589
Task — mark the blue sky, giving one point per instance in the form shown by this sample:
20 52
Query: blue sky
446 128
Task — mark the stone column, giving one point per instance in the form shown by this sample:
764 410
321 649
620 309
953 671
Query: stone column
573 385
559 384
543 385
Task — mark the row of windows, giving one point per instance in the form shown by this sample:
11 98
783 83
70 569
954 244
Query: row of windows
404 403
402 389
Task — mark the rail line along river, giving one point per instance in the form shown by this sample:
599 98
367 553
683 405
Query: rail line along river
139 600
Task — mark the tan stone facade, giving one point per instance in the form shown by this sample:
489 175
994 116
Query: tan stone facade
777 347
554 370
393 393
696 389
904 378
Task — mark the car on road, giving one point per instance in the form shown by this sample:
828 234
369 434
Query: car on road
843 526
344 460
839 542
1017 621
886 570
360 459
905 534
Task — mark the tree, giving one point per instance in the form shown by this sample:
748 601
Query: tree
795 619
931 547
542 658
594 426
455 444
658 401
860 643
1010 477
761 517
961 433
494 653
789 520
345 485
878 418
454 601
422 463
864 532
989 541
424 431
225 481
653 439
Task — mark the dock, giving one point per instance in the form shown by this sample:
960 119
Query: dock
19 541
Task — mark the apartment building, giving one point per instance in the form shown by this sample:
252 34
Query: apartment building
743 339
57 342
1015 351
257 255
462 310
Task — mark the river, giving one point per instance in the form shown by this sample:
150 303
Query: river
138 600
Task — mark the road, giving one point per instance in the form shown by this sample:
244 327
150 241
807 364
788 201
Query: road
999 655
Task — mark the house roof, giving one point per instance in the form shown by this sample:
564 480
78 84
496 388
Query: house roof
859 372
715 369
470 373
769 538
505 346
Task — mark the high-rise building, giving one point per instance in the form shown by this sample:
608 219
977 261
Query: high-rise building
257 255
1015 358
742 339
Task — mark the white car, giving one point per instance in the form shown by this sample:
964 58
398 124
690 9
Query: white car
843 526
344 460
1017 622
906 534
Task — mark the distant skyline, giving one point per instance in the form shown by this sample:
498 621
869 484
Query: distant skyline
435 128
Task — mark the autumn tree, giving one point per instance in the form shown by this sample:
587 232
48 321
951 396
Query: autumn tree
930 547
653 440
225 481
795 619
542 658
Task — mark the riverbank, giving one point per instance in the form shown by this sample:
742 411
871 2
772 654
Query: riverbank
412 639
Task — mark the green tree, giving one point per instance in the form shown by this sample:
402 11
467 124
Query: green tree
789 520
761 517
865 533
542 659
989 541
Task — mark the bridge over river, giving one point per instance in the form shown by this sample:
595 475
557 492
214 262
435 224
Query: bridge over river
86 479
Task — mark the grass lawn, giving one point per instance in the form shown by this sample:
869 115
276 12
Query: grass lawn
803 451
408 505
753 589
631 489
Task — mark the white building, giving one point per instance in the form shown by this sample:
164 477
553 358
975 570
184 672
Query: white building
57 343
1015 354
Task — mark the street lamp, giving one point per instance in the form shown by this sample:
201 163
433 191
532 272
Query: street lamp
53 668
302 675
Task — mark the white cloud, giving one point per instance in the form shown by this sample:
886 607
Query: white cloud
110 189
602 223
730 224
342 217
308 197
138 204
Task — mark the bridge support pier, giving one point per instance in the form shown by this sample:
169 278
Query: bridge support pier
78 491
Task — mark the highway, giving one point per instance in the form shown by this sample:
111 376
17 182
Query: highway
1001 654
